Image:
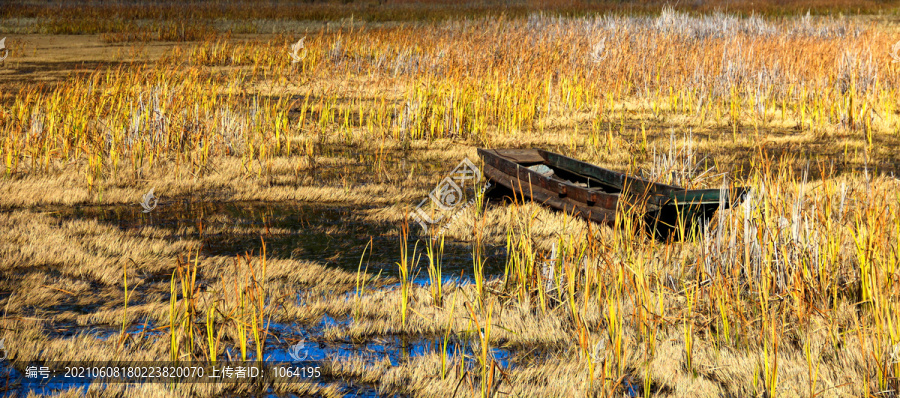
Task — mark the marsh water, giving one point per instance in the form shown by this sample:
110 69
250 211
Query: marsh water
334 235
393 349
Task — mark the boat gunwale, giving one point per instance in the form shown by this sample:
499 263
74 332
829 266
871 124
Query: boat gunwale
657 194
589 197
540 194
618 180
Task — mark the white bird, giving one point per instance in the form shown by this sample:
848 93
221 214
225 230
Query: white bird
295 51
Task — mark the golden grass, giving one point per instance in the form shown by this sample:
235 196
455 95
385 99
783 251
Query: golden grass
716 367
792 294
737 84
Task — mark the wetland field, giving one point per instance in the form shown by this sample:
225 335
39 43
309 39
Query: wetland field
241 183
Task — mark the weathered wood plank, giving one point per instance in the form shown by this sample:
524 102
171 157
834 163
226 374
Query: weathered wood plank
518 155
595 193
537 193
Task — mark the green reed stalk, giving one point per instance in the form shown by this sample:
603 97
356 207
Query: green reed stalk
484 335
404 265
360 280
241 331
211 333
257 339
478 244
434 270
125 311
688 323
813 371
478 265
487 367
444 359
173 319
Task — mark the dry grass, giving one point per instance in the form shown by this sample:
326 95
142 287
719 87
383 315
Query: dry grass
792 294
736 82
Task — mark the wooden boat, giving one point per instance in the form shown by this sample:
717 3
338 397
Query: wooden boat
594 193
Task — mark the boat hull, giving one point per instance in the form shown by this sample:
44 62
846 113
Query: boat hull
664 209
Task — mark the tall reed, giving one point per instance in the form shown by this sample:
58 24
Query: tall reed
434 270
405 265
